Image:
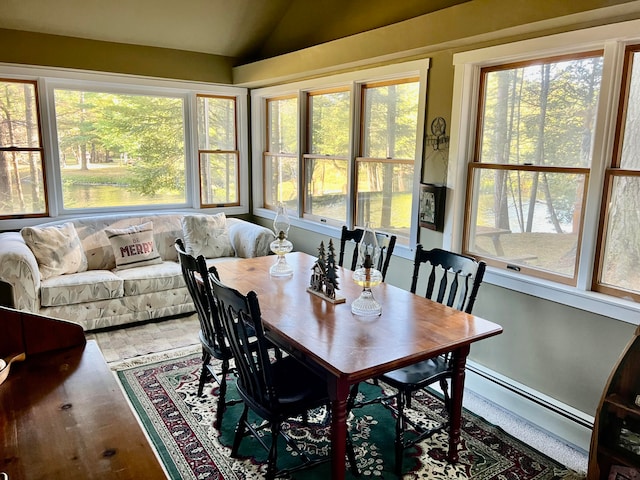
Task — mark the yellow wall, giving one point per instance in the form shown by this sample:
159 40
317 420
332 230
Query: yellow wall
58 51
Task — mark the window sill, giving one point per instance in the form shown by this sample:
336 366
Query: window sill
594 302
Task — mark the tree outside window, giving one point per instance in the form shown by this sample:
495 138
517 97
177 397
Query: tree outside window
528 179
22 185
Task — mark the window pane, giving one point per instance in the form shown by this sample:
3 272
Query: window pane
384 196
283 125
219 178
326 194
621 259
21 184
282 181
630 158
216 123
527 218
329 129
21 176
120 150
390 119
542 114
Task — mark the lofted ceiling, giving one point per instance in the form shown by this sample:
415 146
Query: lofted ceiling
246 30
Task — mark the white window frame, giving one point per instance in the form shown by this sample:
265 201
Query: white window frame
49 79
352 80
612 39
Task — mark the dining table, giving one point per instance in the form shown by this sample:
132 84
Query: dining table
346 349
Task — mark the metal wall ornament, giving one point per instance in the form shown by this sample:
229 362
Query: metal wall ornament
438 138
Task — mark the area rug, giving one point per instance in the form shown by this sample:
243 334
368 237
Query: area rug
179 425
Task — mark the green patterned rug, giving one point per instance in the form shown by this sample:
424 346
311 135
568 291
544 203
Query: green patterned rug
179 425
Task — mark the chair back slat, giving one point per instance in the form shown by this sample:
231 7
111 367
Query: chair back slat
453 279
242 322
195 274
386 244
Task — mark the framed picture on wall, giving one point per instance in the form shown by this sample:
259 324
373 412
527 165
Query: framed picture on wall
432 200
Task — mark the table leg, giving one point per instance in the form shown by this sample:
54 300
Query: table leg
338 393
457 390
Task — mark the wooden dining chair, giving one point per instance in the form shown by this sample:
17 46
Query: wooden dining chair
451 279
386 243
212 338
275 389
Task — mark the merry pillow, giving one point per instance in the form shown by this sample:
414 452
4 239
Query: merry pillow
133 246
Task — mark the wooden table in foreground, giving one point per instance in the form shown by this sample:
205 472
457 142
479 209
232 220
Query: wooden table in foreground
62 413
345 349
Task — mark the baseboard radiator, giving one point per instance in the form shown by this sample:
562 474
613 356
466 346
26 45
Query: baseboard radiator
559 419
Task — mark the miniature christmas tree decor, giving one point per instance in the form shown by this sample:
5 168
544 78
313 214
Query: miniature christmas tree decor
324 276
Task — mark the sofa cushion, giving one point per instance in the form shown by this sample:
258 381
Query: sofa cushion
133 246
207 235
152 278
80 287
57 249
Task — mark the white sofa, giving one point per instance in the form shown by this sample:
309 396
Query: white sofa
99 295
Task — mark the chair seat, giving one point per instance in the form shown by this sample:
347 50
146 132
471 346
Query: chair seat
418 375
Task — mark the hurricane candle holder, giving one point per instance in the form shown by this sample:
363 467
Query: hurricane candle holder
367 276
281 246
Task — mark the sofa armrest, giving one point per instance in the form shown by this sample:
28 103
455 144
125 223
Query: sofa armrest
19 268
248 239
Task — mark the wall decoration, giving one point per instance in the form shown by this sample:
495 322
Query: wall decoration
432 201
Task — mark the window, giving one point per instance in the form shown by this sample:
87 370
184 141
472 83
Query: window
528 179
326 166
218 154
618 271
342 150
120 150
385 167
22 183
281 157
117 143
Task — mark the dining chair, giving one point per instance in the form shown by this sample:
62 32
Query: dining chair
212 339
275 388
451 279
386 243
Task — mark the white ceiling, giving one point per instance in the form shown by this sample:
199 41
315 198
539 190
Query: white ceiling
244 29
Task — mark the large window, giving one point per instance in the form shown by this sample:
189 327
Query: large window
218 153
120 150
618 271
386 165
115 143
354 160
528 180
281 156
22 185
327 161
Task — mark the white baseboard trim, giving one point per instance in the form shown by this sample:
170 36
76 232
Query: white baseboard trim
559 419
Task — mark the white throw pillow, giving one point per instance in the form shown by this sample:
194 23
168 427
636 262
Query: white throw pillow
133 246
207 235
57 249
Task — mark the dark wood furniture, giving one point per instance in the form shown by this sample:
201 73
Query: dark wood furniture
274 390
386 243
62 413
195 274
615 441
346 350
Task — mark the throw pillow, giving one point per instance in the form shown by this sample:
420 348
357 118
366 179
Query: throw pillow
133 246
207 235
57 249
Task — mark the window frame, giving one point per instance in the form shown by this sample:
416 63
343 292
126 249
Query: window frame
352 80
612 39
48 79
40 150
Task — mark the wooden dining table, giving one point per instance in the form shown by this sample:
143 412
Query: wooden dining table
346 349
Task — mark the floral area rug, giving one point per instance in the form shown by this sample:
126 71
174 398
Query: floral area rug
179 425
